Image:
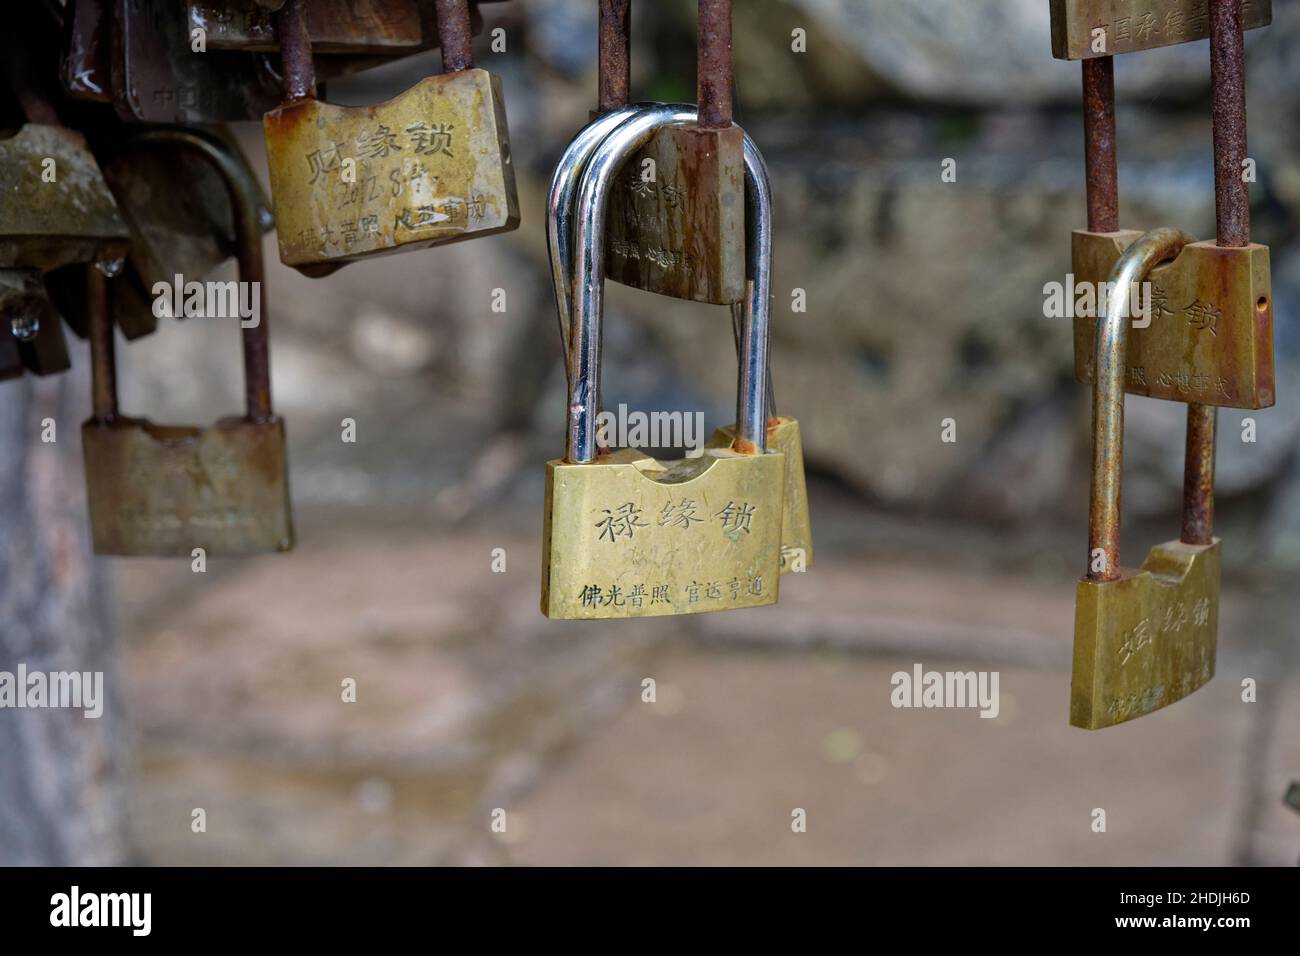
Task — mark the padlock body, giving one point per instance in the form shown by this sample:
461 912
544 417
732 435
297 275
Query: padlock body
1210 337
334 26
796 529
160 490
628 536
675 224
431 166
46 223
1134 25
1148 638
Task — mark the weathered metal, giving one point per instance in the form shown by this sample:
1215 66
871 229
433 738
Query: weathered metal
84 69
1101 162
1129 26
430 166
335 26
31 324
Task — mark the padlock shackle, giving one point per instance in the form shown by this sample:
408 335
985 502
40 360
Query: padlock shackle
246 205
103 360
455 35
614 55
296 64
587 295
1228 92
562 196
1110 367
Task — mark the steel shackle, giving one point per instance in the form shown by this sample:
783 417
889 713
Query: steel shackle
580 272
1111 363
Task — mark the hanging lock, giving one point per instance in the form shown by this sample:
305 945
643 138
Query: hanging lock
55 209
783 433
1208 334
389 27
1085 29
1142 639
430 166
626 535
676 221
162 490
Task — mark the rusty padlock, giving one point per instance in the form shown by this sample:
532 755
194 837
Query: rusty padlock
163 489
1088 29
1142 639
427 167
677 216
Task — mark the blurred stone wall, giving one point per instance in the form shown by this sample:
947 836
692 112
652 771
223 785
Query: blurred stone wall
924 298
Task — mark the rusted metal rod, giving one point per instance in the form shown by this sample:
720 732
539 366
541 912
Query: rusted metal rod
295 52
713 70
615 55
103 365
1232 225
455 35
1100 151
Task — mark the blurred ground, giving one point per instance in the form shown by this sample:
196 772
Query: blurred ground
468 700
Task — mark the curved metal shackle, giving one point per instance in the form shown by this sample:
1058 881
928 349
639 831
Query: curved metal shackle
1110 364
246 204
579 300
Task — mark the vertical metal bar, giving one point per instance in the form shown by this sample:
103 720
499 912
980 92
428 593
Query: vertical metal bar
103 362
1228 80
1232 225
455 35
1100 151
295 52
713 69
615 83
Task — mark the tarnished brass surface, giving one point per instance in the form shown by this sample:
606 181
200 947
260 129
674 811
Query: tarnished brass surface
628 536
23 297
432 166
45 225
159 490
796 529
682 232
335 26
1147 639
157 78
1133 25
1210 339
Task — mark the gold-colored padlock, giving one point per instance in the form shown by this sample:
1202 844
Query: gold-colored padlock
676 223
162 490
429 166
1142 639
625 535
1086 29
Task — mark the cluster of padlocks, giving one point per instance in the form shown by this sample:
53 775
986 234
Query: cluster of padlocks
670 199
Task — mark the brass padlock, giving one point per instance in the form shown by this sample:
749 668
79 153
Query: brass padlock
164 490
677 214
1086 29
335 26
55 208
628 536
429 166
783 432
1142 639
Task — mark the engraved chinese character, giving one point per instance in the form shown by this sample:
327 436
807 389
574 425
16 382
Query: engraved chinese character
681 514
1122 27
1176 25
1135 640
377 143
1160 303
1174 618
736 518
756 585
429 140
620 523
421 216
711 590
1204 316
660 594
591 595
736 585
672 195
1201 612
1198 18
641 187
1137 375
614 597
321 161
693 592
637 595
1146 26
